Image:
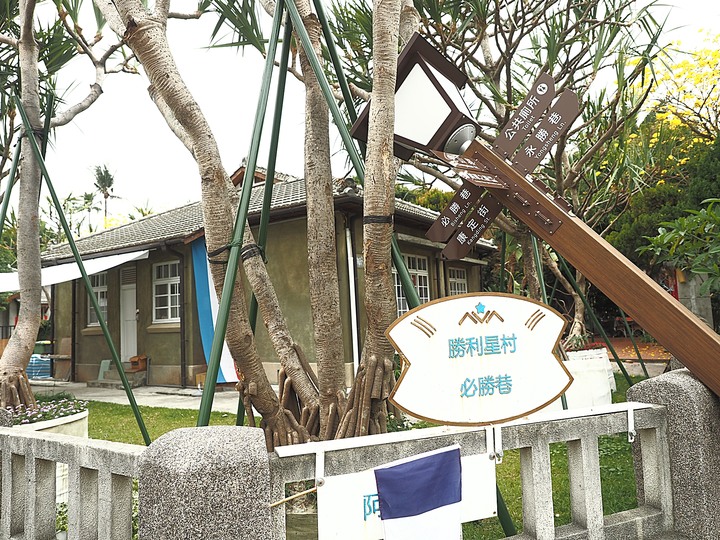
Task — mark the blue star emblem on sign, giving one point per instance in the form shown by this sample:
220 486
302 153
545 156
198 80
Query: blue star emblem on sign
480 308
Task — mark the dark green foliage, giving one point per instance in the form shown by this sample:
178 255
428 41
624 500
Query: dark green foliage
351 24
645 212
241 18
705 177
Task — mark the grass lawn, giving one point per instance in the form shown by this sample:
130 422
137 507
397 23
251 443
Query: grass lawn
117 423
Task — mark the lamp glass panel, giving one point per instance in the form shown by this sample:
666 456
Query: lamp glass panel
420 110
452 91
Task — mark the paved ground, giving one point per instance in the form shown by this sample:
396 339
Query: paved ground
653 354
153 396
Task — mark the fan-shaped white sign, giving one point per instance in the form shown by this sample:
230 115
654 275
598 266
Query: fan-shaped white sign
479 358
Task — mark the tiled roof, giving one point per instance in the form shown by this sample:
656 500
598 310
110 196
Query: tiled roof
179 223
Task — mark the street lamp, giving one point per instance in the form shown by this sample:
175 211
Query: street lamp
430 113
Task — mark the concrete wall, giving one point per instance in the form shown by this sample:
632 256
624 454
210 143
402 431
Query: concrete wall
693 432
690 296
218 482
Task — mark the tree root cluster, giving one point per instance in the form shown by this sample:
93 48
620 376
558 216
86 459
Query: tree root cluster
15 389
367 410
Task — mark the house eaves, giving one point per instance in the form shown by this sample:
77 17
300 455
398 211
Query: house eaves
180 224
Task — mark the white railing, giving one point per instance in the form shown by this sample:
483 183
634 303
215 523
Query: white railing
646 424
101 475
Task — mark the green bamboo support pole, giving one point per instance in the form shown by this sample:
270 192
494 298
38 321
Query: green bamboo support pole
272 154
632 340
330 42
503 254
11 183
239 229
46 124
411 294
269 178
326 90
590 311
543 292
86 280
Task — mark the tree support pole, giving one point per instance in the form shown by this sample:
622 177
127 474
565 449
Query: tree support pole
85 278
269 178
272 154
11 183
342 80
503 254
239 229
543 292
411 294
632 340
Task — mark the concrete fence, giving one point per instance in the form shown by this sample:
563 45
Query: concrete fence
218 482
100 490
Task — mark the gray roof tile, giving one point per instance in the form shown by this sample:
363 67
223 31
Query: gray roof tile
179 223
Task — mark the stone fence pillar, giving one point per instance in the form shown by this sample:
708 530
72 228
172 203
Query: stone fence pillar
693 416
209 482
5 418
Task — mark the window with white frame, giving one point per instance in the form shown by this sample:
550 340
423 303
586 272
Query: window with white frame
166 292
418 268
100 290
457 281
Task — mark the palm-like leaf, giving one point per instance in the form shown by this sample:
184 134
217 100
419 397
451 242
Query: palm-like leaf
241 18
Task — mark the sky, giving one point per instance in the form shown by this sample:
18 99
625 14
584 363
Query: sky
124 131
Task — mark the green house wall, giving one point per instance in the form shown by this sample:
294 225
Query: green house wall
287 265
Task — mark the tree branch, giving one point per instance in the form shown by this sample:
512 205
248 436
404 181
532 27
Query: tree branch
65 117
7 40
171 120
185 16
112 15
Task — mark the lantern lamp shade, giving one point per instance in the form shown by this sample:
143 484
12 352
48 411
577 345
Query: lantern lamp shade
430 113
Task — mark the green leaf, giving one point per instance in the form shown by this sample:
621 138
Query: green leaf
241 18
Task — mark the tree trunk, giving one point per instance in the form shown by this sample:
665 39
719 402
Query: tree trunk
530 269
577 329
14 385
367 410
145 34
321 239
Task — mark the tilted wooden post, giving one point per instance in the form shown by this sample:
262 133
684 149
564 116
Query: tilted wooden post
674 326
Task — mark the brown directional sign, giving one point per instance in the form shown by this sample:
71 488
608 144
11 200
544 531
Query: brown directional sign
672 324
526 115
556 122
452 216
477 222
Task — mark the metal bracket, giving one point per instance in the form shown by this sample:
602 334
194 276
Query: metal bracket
493 439
319 468
532 208
631 423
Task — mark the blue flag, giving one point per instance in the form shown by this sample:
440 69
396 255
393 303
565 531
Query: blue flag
420 498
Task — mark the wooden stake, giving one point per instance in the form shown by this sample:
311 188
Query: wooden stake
293 497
